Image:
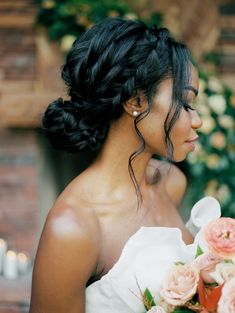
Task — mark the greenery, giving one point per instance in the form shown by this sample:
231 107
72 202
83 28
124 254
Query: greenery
211 168
148 299
65 20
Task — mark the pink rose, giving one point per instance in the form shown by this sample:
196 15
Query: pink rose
227 301
205 263
223 273
156 309
219 234
180 285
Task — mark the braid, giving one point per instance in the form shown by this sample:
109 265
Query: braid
113 61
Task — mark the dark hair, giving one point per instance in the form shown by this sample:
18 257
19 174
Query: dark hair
113 61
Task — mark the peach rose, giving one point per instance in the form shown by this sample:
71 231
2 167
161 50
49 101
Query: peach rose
223 272
205 263
156 309
227 301
218 140
219 234
180 285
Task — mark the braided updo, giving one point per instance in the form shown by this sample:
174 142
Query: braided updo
110 63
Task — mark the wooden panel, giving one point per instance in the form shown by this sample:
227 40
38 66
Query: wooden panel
16 20
227 21
18 87
24 110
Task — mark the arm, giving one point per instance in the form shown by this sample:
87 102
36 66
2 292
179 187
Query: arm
65 260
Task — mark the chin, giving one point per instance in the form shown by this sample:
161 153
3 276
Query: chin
179 158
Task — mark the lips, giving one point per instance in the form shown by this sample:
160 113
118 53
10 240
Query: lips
191 143
192 139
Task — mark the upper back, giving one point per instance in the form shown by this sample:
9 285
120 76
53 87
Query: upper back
66 258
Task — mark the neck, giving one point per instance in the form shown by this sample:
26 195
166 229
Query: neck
111 166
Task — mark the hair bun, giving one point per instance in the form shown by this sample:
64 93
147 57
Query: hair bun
67 131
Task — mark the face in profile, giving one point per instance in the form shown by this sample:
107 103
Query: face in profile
183 134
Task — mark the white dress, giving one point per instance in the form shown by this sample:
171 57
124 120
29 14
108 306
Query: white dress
144 262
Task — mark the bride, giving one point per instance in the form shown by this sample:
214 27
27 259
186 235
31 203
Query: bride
132 90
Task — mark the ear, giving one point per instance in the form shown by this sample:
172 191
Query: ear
135 105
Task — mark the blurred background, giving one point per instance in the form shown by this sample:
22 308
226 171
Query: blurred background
35 37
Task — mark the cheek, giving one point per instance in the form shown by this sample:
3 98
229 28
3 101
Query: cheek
152 129
182 128
157 129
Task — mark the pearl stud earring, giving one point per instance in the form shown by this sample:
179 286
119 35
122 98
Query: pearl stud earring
135 113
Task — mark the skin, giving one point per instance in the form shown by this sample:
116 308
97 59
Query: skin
93 218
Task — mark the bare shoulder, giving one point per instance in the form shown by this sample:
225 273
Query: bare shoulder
169 176
66 258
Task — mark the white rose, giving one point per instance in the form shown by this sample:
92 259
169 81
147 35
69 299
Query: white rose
223 193
208 124
232 101
202 103
223 272
131 16
180 284
156 309
202 85
67 42
203 109
226 121
214 84
211 188
48 4
227 301
217 103
218 140
212 160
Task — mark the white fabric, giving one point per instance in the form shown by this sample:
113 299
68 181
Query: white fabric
203 212
144 262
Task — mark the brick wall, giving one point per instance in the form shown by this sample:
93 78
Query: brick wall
29 80
17 54
226 43
19 208
29 66
19 189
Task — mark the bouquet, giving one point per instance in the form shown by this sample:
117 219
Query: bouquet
206 284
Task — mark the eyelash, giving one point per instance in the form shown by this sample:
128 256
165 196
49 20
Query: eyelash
187 107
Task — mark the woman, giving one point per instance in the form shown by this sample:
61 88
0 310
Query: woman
131 92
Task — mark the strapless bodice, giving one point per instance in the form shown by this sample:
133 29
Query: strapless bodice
145 260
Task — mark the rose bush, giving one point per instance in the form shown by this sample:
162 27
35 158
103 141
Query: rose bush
211 167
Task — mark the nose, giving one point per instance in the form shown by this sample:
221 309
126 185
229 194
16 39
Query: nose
196 121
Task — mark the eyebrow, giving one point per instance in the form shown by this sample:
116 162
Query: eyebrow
192 89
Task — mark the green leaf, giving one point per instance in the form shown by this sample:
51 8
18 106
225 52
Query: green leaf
199 251
149 300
